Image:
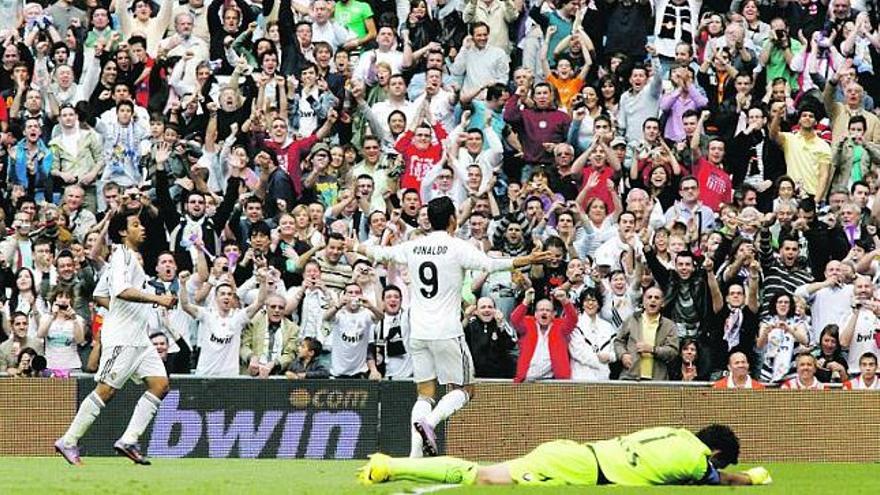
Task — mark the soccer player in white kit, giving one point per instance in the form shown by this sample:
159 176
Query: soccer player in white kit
437 263
127 353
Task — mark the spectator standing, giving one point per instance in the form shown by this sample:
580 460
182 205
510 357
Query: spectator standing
641 101
490 339
733 322
831 363
391 337
351 327
268 342
807 156
591 344
220 336
778 339
478 62
543 338
859 334
647 341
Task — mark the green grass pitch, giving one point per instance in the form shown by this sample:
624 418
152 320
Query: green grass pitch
115 476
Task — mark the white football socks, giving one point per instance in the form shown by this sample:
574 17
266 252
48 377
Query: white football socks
85 416
451 402
420 409
143 413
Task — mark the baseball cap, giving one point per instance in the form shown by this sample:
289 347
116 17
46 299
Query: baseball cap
319 147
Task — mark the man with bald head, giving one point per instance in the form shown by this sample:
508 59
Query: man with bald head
737 374
647 341
853 104
829 299
490 340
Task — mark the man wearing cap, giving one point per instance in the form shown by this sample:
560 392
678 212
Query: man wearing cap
288 152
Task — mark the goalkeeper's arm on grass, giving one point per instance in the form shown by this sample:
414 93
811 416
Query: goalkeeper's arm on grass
754 476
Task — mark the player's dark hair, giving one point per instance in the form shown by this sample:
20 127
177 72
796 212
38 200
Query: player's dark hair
440 212
867 355
118 223
158 334
721 438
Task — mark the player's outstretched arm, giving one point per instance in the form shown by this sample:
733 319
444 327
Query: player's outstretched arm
755 476
734 479
532 259
135 295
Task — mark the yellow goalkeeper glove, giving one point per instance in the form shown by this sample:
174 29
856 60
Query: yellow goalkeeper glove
759 476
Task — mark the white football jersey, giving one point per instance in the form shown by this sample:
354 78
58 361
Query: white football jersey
220 340
437 263
127 322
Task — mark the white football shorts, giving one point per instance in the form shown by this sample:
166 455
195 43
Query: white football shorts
125 362
448 361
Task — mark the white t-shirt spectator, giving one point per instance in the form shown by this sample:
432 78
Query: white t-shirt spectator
220 340
61 350
351 334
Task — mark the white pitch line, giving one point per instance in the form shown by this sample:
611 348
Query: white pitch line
427 489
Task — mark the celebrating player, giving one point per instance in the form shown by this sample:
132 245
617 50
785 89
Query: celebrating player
127 352
655 456
437 264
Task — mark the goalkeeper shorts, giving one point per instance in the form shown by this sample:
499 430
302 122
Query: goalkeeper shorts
556 463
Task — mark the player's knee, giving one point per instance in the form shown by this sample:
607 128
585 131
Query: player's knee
159 388
105 392
492 475
470 391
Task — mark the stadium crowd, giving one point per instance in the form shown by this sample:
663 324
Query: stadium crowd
704 173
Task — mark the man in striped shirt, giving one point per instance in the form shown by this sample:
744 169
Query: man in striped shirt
783 273
127 352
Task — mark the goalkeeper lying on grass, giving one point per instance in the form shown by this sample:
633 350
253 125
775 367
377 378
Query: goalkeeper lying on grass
656 456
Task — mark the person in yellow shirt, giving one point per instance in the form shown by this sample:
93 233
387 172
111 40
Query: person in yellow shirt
654 456
647 342
807 156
